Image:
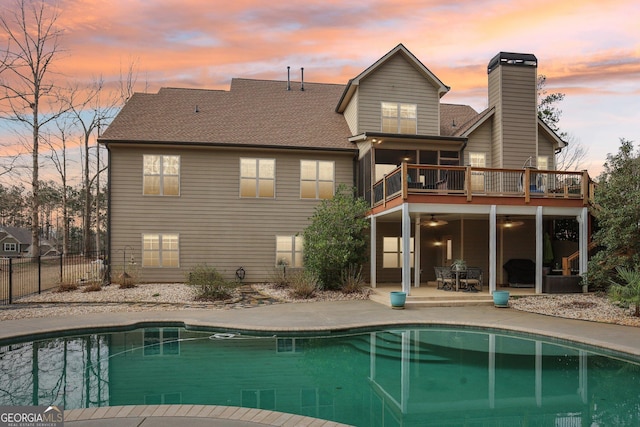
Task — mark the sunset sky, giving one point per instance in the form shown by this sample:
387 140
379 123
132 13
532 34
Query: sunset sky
589 50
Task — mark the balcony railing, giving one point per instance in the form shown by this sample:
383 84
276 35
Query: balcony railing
473 182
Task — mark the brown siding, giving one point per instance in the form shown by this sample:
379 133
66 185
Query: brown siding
518 242
351 114
398 81
495 92
476 243
480 142
215 225
545 148
387 275
517 120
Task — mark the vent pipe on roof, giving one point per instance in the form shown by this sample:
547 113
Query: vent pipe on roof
302 78
288 78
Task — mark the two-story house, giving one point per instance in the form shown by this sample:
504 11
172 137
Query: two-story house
230 178
16 242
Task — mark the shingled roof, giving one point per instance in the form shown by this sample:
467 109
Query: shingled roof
252 113
455 118
258 113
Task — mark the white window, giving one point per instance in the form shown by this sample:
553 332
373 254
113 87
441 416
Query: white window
160 250
10 247
392 252
161 175
541 178
257 177
289 251
477 160
317 179
399 118
543 162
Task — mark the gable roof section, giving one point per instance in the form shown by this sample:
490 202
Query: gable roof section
559 142
21 235
350 89
253 113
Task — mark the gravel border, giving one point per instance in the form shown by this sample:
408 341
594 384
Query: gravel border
178 296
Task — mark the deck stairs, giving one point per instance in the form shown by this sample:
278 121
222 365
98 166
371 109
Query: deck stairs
442 299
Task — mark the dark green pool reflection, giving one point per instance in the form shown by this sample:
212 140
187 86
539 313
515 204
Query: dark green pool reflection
394 377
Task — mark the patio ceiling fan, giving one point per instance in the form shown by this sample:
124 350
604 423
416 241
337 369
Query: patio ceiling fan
433 222
509 223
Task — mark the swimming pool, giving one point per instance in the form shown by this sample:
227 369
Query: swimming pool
387 377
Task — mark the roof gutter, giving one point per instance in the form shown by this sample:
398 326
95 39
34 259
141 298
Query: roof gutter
112 142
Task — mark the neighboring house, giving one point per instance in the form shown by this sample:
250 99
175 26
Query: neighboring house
16 242
230 178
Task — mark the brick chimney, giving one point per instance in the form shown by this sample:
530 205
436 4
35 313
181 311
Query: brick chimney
513 93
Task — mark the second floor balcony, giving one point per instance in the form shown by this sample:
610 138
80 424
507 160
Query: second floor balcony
460 184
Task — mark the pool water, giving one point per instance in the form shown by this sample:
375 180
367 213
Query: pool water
393 377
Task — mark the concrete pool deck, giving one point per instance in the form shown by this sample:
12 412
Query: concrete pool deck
301 317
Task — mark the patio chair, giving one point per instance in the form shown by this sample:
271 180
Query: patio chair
448 278
439 278
472 279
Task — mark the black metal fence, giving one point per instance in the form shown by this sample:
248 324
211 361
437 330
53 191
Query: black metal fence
24 276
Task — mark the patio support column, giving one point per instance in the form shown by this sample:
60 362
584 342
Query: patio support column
539 250
372 255
493 237
406 249
583 240
417 268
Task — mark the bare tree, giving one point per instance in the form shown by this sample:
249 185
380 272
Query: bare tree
32 45
57 143
572 157
90 113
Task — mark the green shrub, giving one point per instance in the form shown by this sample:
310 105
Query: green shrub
208 284
336 237
352 281
629 291
302 285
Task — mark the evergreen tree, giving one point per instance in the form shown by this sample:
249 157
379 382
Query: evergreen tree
617 210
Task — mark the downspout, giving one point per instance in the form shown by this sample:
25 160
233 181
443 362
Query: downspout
109 212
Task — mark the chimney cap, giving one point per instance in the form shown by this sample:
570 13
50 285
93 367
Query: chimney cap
509 58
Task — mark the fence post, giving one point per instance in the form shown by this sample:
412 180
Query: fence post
60 281
39 274
10 280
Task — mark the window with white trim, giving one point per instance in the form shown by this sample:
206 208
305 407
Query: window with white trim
160 250
477 160
399 118
289 251
543 162
161 175
10 247
257 177
392 252
317 179
541 179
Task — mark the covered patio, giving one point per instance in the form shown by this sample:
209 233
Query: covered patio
483 235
